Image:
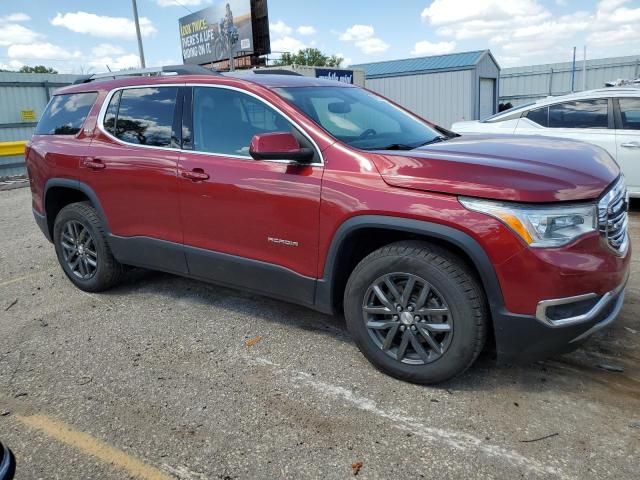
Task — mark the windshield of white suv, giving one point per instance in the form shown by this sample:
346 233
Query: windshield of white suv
361 119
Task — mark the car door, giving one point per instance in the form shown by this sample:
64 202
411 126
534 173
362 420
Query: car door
133 171
628 141
589 120
247 223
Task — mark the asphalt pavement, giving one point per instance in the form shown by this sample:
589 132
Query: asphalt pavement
165 377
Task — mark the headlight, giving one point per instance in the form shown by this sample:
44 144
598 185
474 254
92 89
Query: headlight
540 226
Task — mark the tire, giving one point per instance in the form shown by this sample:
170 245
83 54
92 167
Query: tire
101 270
449 321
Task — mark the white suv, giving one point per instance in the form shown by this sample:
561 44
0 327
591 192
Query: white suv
607 117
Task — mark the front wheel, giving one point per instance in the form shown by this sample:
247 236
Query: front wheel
416 312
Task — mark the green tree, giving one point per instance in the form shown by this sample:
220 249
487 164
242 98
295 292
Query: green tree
37 69
311 57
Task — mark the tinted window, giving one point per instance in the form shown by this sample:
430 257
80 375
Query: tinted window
225 121
630 111
579 114
110 116
145 116
539 116
65 114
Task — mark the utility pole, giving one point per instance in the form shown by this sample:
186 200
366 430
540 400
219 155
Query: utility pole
135 18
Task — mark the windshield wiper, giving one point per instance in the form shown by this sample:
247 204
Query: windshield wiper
433 140
393 146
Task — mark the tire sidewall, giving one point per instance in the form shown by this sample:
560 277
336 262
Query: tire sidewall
72 213
462 349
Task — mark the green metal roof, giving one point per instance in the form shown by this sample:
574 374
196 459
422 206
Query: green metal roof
452 61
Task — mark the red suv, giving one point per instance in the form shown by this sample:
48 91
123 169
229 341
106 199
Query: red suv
330 196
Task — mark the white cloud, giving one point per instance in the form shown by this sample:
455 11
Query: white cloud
115 63
12 65
280 28
181 3
428 48
12 33
363 37
15 17
346 61
527 31
287 44
106 49
42 51
306 30
103 26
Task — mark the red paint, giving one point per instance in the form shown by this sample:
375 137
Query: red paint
232 205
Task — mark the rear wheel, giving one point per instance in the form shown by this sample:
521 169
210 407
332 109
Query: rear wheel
82 248
416 312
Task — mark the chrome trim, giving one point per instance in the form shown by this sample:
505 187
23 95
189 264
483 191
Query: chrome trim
541 309
105 105
600 325
612 214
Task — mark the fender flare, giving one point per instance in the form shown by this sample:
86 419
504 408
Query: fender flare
80 186
324 290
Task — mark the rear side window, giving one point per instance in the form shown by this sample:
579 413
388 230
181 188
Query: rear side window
579 114
144 116
65 114
630 112
539 116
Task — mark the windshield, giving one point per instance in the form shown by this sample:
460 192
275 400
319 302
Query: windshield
360 118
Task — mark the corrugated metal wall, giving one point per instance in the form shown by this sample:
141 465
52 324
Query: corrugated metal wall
443 97
487 68
22 92
526 84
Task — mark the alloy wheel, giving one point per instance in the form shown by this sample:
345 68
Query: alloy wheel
407 318
79 250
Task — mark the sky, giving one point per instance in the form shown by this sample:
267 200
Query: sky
85 36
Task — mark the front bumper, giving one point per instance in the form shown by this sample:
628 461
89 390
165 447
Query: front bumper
527 337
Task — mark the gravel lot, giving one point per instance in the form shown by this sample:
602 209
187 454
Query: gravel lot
154 379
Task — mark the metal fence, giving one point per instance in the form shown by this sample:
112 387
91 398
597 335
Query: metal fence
520 85
23 97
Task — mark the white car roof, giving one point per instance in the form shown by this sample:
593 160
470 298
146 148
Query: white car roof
605 92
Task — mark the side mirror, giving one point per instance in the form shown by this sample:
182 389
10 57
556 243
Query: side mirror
279 146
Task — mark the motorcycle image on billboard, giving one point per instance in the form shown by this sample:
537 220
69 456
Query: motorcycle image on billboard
217 32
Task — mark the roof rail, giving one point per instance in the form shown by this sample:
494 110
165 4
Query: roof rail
172 69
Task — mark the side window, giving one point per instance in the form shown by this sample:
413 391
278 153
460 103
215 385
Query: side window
65 114
539 116
109 121
225 121
145 116
579 114
630 112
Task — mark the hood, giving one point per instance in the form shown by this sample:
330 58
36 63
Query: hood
509 167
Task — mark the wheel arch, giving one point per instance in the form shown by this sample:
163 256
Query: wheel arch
60 192
338 265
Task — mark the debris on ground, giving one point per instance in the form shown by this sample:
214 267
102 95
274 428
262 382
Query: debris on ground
5 413
356 467
611 368
252 341
635 424
11 305
630 330
541 438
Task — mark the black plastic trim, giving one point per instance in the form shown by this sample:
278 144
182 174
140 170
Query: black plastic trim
82 187
149 253
41 220
324 292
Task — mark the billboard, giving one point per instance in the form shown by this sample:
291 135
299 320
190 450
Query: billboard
212 34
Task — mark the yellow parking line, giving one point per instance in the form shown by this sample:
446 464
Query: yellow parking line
92 446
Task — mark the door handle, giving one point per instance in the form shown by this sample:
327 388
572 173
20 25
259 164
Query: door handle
93 163
630 145
197 175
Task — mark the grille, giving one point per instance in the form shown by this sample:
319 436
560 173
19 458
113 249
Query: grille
612 217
